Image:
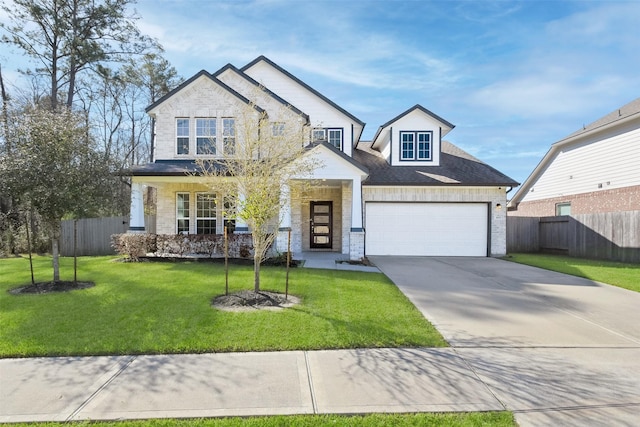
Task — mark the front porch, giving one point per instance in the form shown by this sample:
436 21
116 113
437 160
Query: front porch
323 211
323 216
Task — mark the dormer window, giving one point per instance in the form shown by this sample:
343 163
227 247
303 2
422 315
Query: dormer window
331 135
416 145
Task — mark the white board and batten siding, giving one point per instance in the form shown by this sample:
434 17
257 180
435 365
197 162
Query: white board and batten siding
321 114
435 221
597 163
416 121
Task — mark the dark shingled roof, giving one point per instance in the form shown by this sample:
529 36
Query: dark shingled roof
170 168
457 167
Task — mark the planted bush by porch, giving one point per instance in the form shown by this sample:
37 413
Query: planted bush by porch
134 246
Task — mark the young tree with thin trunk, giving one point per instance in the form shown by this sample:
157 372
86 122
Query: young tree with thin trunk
257 159
55 169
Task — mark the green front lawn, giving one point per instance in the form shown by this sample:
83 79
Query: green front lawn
620 274
493 419
152 308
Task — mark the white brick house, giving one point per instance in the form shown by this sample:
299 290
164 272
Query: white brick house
407 192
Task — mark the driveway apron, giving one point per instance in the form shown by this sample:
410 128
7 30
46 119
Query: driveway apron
555 349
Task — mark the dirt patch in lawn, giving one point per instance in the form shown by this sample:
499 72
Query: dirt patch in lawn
252 301
49 287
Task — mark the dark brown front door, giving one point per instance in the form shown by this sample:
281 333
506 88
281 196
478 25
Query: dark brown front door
321 218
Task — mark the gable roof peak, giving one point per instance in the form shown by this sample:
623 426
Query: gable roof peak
211 78
425 111
263 58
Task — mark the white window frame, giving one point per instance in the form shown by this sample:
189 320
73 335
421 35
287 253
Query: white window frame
277 129
328 135
180 216
429 143
318 134
331 138
563 206
206 135
229 136
213 218
412 150
180 135
415 151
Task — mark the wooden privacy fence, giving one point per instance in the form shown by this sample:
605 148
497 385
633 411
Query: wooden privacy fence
93 237
609 235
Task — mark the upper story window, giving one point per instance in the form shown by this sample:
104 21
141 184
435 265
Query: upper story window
331 135
416 145
182 136
277 129
206 136
229 136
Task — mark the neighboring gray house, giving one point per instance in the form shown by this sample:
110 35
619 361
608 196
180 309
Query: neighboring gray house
407 192
595 169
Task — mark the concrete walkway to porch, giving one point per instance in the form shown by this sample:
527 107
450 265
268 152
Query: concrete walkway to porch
331 261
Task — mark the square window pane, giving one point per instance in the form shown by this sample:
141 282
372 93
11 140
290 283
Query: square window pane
563 209
319 135
206 226
206 146
183 226
183 145
182 127
277 129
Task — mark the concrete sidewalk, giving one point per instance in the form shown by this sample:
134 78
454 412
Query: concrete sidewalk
239 384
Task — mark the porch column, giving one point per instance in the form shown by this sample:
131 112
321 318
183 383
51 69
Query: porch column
285 218
356 236
285 207
356 205
136 214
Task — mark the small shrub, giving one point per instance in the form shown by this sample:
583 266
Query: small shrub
244 251
133 246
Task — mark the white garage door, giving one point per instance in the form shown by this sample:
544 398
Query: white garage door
426 229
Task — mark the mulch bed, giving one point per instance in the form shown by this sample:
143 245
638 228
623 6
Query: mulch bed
49 287
251 301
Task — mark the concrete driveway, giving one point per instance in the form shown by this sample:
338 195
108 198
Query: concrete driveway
554 348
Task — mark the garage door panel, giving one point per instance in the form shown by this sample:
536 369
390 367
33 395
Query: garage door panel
426 229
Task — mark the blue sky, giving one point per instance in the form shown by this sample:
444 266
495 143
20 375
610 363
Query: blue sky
513 76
